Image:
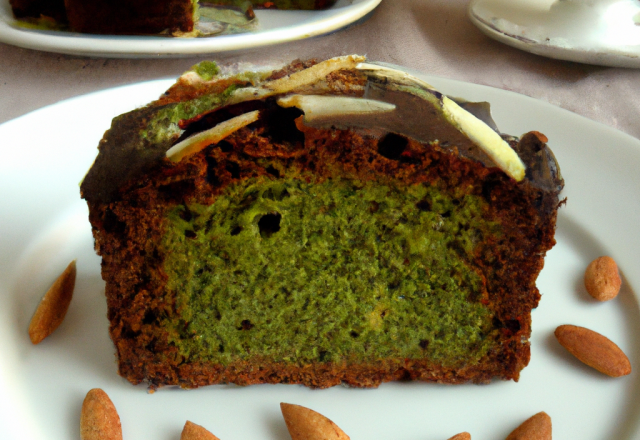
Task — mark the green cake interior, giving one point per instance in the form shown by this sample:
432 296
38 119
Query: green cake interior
293 270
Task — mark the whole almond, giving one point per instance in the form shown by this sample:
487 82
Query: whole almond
191 431
306 424
594 350
99 419
602 279
536 427
461 436
53 306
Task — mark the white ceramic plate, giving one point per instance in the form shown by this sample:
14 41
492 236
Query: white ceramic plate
274 27
44 225
604 32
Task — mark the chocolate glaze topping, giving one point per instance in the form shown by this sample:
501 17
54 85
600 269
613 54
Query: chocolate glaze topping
124 153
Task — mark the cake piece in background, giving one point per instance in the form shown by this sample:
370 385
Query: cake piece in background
37 8
131 17
277 4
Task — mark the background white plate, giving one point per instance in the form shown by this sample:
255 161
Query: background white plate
274 27
44 225
604 32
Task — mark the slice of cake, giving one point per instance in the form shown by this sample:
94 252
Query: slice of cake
176 17
277 4
109 16
338 222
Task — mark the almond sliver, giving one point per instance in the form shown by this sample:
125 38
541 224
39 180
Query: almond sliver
317 106
199 141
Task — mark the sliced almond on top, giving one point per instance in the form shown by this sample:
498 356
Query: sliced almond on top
475 129
99 419
537 427
313 73
191 431
306 424
53 306
199 141
298 82
486 138
319 106
593 349
461 436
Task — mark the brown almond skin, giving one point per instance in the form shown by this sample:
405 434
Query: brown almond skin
191 431
99 419
536 427
53 306
602 279
461 436
306 424
593 349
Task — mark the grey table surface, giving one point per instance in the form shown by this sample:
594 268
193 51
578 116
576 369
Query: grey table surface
433 36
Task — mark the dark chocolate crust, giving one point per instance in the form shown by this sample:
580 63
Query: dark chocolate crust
129 17
129 222
278 4
36 8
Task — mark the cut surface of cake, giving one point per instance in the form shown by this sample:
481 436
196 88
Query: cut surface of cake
323 223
